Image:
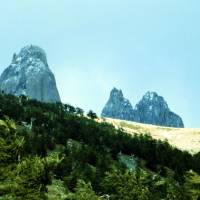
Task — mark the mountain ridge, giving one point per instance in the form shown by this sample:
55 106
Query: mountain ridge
151 109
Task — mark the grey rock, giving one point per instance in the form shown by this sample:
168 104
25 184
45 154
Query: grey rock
151 109
30 75
118 107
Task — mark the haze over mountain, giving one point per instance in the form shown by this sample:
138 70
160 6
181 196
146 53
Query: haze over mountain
30 75
151 109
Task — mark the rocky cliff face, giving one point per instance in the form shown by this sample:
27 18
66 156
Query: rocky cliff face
118 107
152 109
29 75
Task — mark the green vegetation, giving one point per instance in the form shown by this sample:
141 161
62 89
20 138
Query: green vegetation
52 151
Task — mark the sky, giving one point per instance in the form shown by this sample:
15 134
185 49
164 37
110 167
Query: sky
95 45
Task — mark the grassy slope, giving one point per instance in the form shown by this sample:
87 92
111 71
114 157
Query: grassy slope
183 138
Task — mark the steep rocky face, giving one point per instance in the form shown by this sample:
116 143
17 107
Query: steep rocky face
118 107
29 75
152 109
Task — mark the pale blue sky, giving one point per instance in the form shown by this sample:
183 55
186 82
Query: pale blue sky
93 46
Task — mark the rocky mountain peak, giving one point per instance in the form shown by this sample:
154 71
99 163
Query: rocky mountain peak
117 106
116 94
29 74
30 52
152 100
150 95
151 109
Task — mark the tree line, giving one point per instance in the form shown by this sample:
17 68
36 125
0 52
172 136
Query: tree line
87 159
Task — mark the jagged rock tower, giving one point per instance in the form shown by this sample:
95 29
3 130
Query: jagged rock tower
118 107
30 75
151 109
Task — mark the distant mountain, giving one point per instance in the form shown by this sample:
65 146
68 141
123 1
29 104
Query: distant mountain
30 75
118 107
151 109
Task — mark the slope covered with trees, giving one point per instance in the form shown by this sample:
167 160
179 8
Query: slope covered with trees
53 151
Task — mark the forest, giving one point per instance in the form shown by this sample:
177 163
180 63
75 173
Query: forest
56 151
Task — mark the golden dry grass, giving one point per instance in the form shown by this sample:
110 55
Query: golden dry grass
187 139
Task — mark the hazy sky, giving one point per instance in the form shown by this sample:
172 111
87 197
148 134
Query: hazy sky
94 45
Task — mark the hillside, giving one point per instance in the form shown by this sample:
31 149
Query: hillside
187 139
53 151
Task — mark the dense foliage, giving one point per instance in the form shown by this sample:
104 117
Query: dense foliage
52 151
